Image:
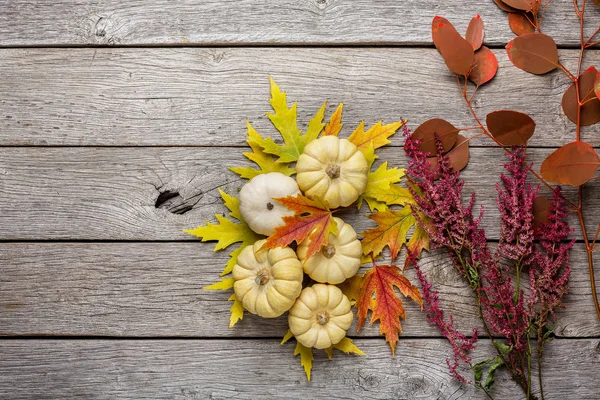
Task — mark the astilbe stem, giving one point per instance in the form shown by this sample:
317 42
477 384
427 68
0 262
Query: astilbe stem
503 307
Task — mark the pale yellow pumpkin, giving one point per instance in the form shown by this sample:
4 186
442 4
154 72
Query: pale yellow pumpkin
338 260
332 169
267 282
257 205
320 317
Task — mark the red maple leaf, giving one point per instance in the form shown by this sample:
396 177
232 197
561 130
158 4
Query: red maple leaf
312 220
386 306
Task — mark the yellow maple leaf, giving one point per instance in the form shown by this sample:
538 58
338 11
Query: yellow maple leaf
393 226
351 287
285 121
378 185
345 345
237 310
394 195
306 358
334 126
265 162
377 135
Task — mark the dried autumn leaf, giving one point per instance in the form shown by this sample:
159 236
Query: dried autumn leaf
597 84
227 232
484 67
520 24
312 220
596 2
351 287
306 358
378 295
395 195
265 162
419 241
346 345
511 128
377 135
590 110
284 120
533 52
505 7
334 126
456 51
573 164
541 206
474 33
525 5
427 131
378 183
393 226
458 156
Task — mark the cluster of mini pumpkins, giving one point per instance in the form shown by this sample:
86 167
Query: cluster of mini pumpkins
268 282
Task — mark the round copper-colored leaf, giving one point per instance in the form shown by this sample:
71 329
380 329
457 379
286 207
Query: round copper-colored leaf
533 52
597 84
573 164
458 155
427 131
596 2
505 7
455 50
541 205
511 128
519 23
590 111
475 32
525 5
485 66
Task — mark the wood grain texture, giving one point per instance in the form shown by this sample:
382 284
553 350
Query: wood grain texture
268 22
202 97
242 369
155 289
111 193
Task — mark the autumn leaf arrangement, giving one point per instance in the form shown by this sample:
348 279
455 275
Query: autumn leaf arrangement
297 258
533 242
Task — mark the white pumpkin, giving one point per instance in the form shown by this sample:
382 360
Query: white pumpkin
338 260
267 282
332 169
259 210
320 317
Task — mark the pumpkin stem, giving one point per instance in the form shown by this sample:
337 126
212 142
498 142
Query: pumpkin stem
270 206
333 171
328 251
322 317
262 277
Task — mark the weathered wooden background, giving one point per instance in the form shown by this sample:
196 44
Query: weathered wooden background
106 104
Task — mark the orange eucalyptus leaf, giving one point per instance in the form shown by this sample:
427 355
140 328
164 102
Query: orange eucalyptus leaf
312 220
456 51
485 66
426 132
525 5
378 295
541 205
474 33
533 52
505 7
519 23
334 126
511 128
573 164
590 111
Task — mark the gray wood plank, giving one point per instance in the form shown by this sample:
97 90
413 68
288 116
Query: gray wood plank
111 193
112 22
199 96
242 369
155 289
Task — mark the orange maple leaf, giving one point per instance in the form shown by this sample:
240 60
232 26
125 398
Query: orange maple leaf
334 126
386 306
393 226
312 220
